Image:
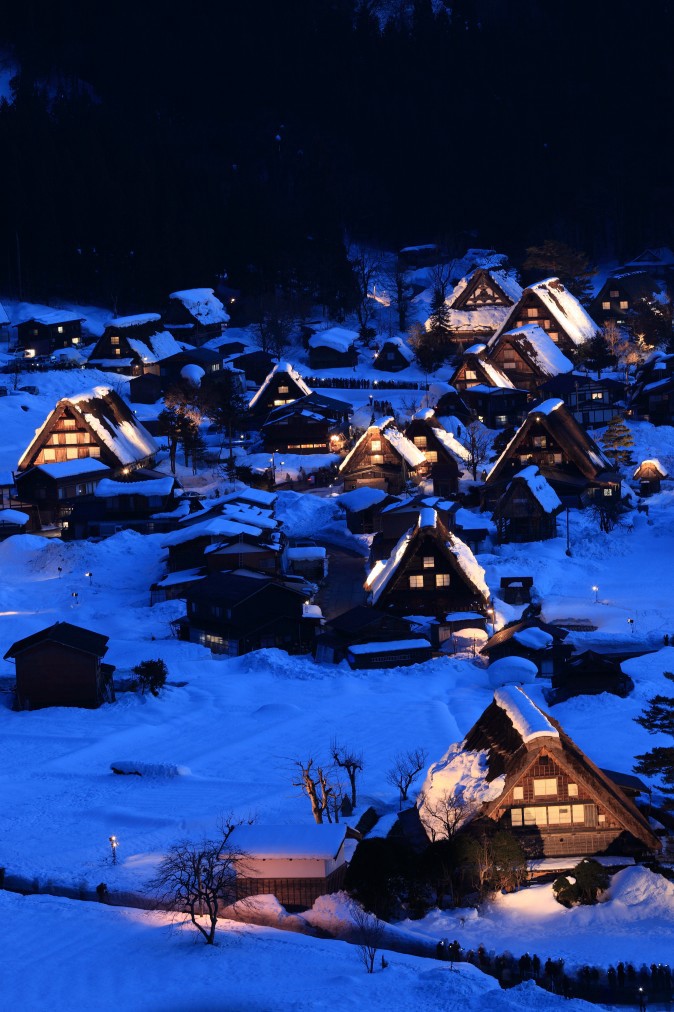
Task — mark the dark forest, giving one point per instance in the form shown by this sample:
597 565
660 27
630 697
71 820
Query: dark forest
153 146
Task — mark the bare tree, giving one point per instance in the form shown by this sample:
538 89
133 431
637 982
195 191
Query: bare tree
442 816
365 268
399 292
478 444
440 281
276 321
350 761
198 878
406 768
369 935
316 787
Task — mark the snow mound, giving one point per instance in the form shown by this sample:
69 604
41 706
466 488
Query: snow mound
512 670
277 710
149 769
640 888
461 775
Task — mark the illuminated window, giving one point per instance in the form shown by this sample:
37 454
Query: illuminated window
553 335
416 582
597 395
429 562
114 339
518 793
544 785
516 816
59 330
546 325
432 456
539 442
283 390
608 491
559 815
375 445
49 454
68 423
94 451
624 304
117 351
501 419
606 305
421 442
572 790
71 437
71 453
442 579
601 818
532 313
471 374
377 458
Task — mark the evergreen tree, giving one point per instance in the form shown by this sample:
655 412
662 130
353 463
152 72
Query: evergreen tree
618 442
658 717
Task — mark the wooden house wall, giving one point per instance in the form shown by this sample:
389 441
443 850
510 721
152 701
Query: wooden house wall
189 554
380 468
282 389
51 674
519 517
243 556
390 359
330 358
66 437
428 599
591 836
45 338
297 435
292 892
114 344
507 356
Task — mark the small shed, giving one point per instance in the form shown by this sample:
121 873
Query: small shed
310 561
333 348
296 864
389 653
62 666
589 674
516 589
649 474
13 522
393 356
533 639
362 507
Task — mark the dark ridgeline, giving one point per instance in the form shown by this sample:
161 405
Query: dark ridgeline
150 149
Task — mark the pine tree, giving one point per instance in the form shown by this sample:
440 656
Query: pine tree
618 442
658 717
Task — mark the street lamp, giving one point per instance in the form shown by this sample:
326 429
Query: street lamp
91 577
75 596
114 844
491 614
630 622
596 593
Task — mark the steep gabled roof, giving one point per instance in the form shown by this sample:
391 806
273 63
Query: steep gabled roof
558 421
281 367
459 556
536 348
203 305
562 306
504 284
66 634
550 634
514 732
488 372
401 445
108 419
651 468
335 338
543 493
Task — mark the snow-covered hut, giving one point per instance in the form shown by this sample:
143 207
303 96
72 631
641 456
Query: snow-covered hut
649 474
333 348
195 315
134 345
527 510
393 356
382 458
551 306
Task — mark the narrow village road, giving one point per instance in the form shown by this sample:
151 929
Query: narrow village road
344 586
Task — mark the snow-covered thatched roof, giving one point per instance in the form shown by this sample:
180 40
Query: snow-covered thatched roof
335 338
203 305
537 348
281 367
403 446
566 310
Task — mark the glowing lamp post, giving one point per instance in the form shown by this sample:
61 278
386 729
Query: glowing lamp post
114 844
630 622
596 593
91 577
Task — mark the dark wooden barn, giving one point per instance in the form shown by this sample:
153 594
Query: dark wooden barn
50 490
232 613
48 330
363 507
527 510
533 639
62 666
362 625
590 673
554 798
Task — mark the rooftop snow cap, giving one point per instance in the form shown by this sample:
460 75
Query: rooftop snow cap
526 718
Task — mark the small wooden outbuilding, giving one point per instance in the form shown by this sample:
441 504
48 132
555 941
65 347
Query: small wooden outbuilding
649 474
527 510
62 666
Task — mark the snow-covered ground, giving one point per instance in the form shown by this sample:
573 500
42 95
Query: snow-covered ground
63 955
237 725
